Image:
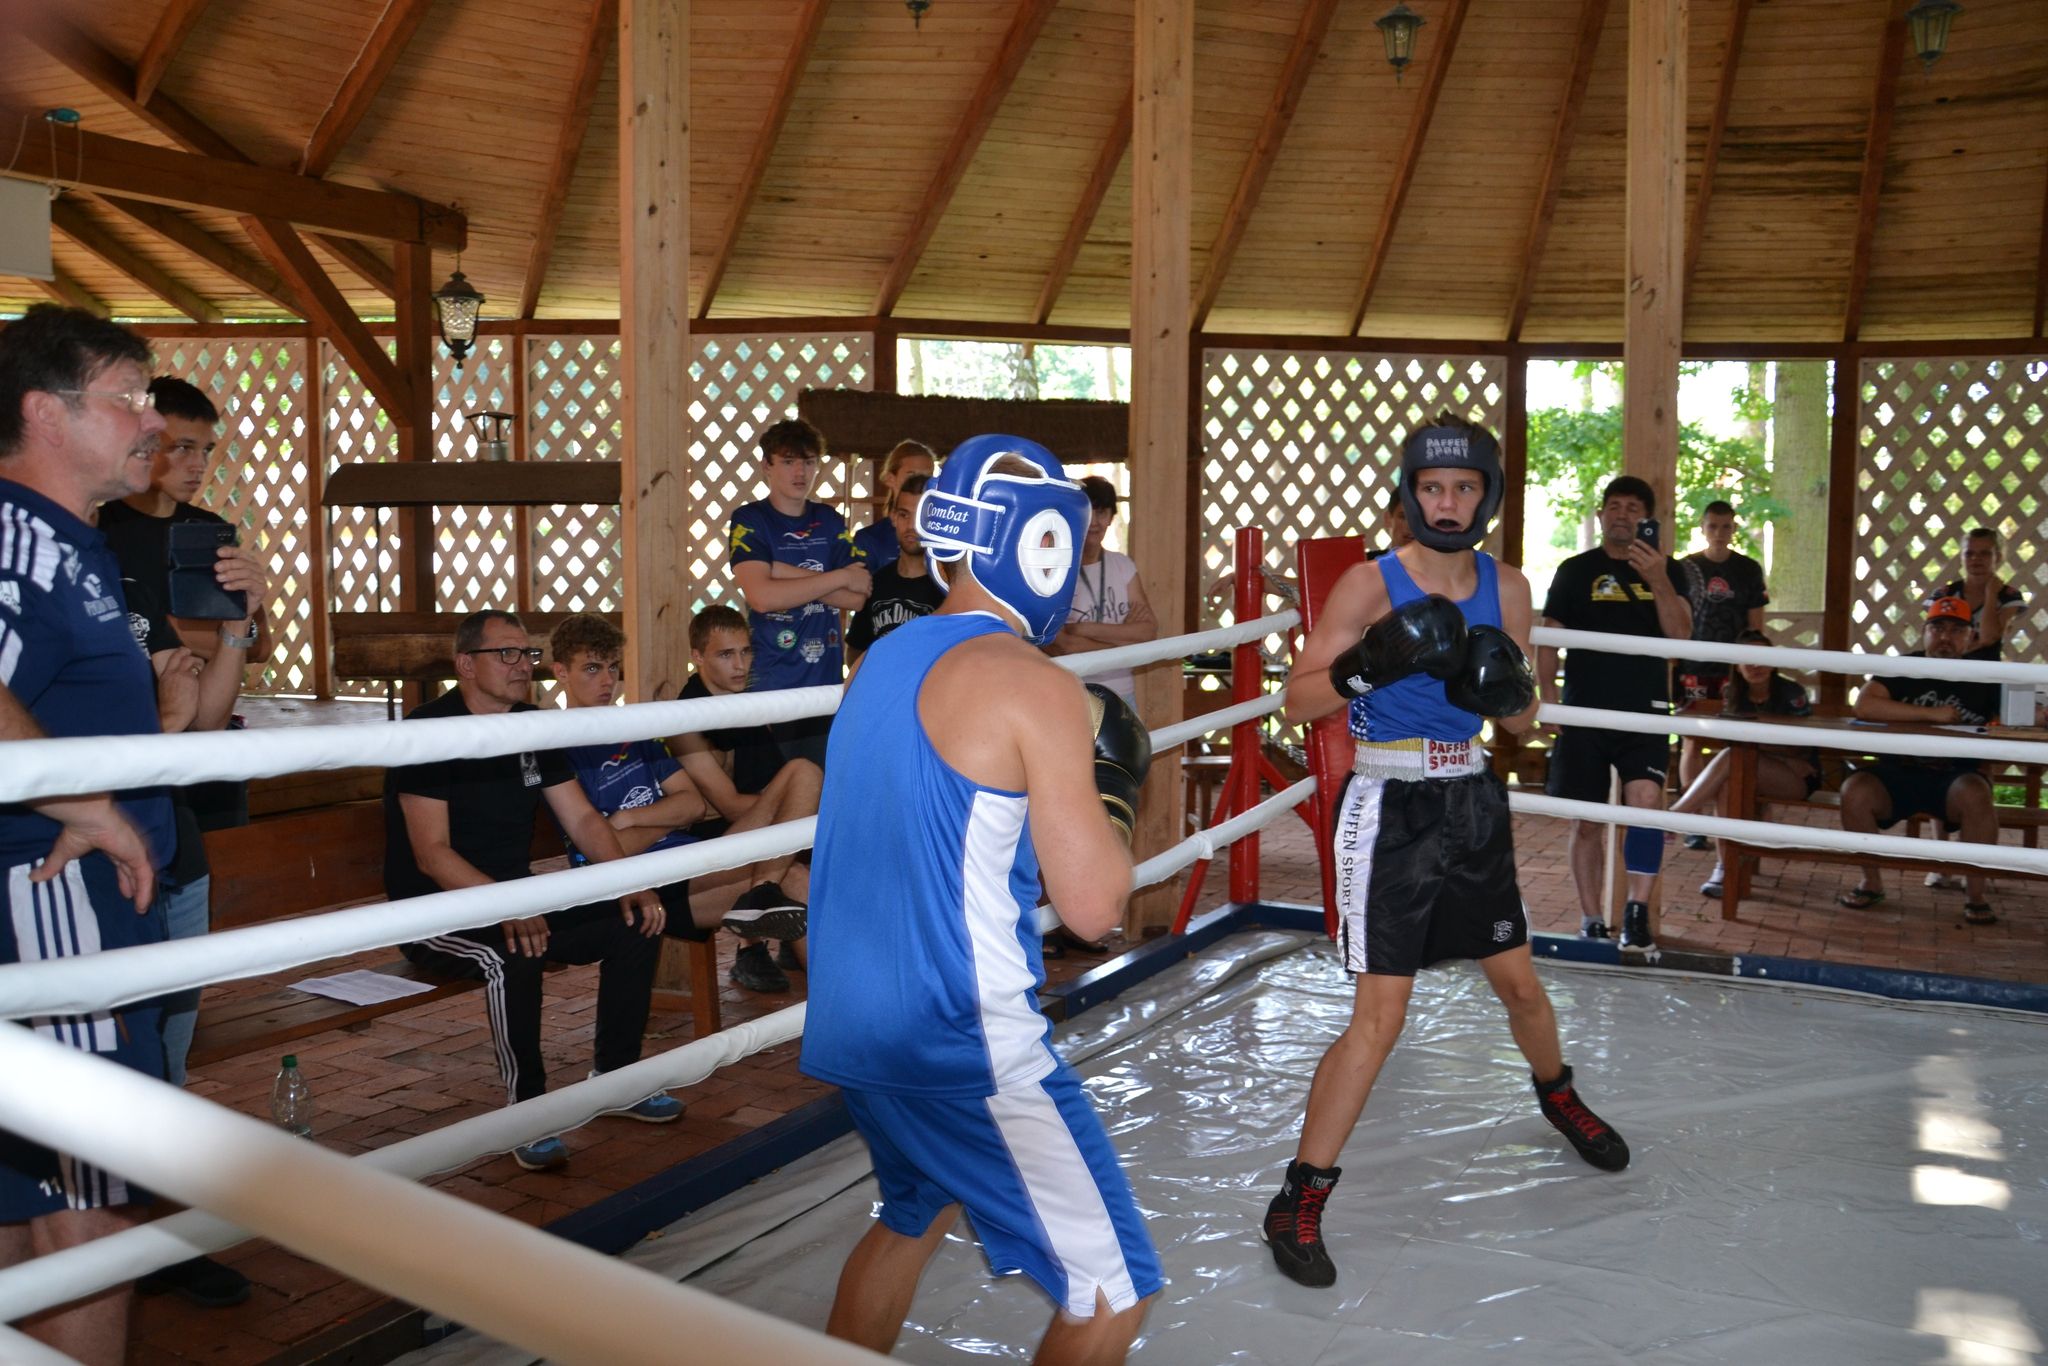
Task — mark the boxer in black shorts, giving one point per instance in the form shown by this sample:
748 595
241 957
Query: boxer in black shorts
1419 646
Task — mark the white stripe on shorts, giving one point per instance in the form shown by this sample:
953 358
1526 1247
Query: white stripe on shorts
1063 1194
1357 835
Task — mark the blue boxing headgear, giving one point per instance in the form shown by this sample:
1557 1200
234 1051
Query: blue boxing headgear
1019 534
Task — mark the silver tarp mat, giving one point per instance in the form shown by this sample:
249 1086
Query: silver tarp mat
1818 1177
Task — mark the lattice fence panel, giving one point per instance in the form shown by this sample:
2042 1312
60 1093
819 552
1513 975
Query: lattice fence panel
573 404
365 554
1946 445
1305 443
476 549
259 480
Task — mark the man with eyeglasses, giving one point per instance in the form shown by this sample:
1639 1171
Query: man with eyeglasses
78 874
468 822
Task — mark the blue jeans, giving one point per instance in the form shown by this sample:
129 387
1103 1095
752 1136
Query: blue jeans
186 909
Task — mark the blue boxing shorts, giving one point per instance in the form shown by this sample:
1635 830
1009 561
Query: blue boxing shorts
1034 1171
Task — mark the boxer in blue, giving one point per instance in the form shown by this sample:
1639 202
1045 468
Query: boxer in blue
959 785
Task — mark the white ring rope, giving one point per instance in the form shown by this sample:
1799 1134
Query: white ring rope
1794 657
418 1244
1870 738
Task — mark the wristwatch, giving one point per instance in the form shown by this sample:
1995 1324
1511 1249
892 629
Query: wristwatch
235 642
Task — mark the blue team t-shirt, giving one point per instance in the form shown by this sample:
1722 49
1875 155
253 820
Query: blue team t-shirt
621 777
67 654
799 648
877 543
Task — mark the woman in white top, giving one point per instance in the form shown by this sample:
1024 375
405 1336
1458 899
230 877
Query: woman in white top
1109 600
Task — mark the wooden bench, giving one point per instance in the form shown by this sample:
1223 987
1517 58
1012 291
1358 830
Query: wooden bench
331 858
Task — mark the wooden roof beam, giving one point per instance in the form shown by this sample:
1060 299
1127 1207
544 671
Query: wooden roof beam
173 26
358 89
330 312
71 219
1411 157
1717 129
1301 60
188 236
598 36
372 269
1592 20
68 292
1092 194
967 135
808 23
1876 143
2041 272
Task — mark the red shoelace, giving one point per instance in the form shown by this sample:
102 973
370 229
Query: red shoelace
1308 1214
1577 1115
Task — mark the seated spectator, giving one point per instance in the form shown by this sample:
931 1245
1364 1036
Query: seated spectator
906 460
645 796
1784 772
1897 787
469 822
1109 599
750 779
904 587
1993 601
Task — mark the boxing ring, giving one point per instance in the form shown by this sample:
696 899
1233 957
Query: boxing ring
1475 1214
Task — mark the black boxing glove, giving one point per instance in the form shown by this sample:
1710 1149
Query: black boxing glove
1496 679
1123 753
1423 636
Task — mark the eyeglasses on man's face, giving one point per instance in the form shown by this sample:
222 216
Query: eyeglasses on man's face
509 655
136 400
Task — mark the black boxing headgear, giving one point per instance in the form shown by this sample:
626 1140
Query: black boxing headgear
1451 448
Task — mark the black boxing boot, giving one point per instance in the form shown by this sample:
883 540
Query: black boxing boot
1591 1135
1294 1224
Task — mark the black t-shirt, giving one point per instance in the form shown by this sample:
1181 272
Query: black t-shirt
1594 591
756 757
892 601
1976 704
1722 596
491 806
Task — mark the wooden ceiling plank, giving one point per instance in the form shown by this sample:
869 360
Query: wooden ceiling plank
113 78
1092 194
1592 20
68 292
372 269
331 313
1024 29
1301 60
1876 144
358 89
188 236
173 27
598 36
70 218
1411 157
808 23
1717 129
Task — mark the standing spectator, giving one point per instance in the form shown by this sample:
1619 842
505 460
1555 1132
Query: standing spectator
1623 586
1783 772
750 780
469 822
1726 590
1897 786
877 540
1109 600
904 587
1992 599
798 569
76 428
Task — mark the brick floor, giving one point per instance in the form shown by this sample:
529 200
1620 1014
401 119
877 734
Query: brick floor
422 1068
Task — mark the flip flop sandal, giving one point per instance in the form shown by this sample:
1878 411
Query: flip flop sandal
1979 913
1859 898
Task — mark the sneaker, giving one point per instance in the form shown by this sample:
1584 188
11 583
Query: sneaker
1294 1224
659 1108
754 970
1635 928
1712 886
1591 927
1695 841
767 912
1946 882
786 959
1589 1133
202 1281
543 1154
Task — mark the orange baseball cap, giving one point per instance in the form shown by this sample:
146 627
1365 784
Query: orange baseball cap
1949 609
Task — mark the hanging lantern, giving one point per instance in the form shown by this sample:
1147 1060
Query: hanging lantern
1928 22
491 441
458 304
917 9
1398 26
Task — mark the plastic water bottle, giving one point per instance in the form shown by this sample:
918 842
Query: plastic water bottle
291 1100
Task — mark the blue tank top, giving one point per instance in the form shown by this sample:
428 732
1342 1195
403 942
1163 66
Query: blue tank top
1415 707
925 954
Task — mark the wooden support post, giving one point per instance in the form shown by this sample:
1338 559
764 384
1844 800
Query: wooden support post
319 517
415 417
1838 588
1162 179
654 332
1514 458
